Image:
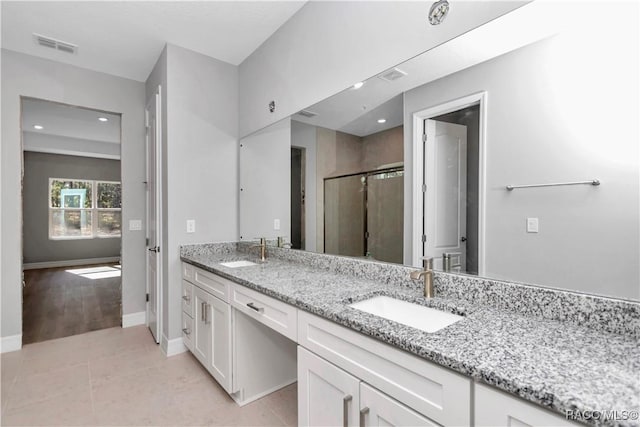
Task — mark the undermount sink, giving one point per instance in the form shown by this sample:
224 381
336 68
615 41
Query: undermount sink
417 316
236 264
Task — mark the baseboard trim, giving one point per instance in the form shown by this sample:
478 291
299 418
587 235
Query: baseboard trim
134 319
172 347
11 343
238 396
69 263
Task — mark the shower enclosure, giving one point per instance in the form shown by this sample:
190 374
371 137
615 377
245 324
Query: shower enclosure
363 214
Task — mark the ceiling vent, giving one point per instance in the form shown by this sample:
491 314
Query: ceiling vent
55 44
392 75
307 113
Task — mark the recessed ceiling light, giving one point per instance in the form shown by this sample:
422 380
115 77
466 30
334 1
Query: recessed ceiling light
103 119
38 127
358 85
382 120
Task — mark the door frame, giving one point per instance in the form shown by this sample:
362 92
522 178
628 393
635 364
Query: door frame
158 196
417 178
23 98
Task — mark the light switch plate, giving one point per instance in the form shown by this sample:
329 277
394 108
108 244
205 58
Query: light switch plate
135 224
276 224
532 225
191 226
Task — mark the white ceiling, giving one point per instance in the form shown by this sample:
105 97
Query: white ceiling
70 122
125 38
355 111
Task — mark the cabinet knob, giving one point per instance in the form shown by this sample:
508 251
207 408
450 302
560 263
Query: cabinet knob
186 331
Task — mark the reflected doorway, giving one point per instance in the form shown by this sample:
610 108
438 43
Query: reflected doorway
451 189
298 197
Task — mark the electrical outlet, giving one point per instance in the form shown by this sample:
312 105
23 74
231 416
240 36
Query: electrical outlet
276 224
191 226
532 225
135 224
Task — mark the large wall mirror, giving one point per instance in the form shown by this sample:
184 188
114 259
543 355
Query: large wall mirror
510 152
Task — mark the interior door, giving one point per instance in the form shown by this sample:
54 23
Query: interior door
445 195
153 215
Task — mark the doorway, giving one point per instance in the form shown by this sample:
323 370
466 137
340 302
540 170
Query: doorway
298 197
72 220
449 211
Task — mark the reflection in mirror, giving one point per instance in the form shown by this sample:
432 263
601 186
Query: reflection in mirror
519 101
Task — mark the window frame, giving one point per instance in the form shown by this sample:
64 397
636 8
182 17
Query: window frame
94 210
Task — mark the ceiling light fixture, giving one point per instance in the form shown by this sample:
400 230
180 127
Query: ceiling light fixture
358 85
382 120
103 119
438 12
38 127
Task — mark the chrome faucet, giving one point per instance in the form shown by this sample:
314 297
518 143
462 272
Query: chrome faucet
427 275
263 248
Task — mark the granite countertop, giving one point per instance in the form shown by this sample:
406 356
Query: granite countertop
555 364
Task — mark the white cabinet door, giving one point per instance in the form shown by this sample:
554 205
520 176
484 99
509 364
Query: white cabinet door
219 318
201 327
327 395
494 408
378 409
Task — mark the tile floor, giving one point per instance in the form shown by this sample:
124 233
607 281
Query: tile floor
119 377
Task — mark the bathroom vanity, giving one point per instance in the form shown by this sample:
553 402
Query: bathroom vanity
501 364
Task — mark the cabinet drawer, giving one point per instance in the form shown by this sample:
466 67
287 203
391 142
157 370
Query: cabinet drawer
275 314
438 393
187 298
187 271
187 331
211 283
495 408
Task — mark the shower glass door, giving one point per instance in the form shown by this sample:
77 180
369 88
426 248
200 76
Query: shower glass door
363 215
385 205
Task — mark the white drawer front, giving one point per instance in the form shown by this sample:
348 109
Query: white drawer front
187 298
275 314
187 331
441 395
495 408
215 285
187 271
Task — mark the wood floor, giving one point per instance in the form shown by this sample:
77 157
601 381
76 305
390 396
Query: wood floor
59 302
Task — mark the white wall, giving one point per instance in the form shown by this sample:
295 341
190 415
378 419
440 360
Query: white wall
265 182
304 136
328 46
201 157
24 75
55 144
552 118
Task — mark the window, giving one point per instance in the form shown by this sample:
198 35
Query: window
84 209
